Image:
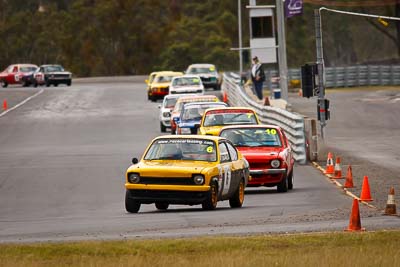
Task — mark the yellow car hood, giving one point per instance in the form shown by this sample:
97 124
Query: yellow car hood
170 168
212 130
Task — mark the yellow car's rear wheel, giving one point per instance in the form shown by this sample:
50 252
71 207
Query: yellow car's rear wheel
212 198
236 201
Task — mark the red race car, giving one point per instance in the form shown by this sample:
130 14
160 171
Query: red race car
268 152
18 74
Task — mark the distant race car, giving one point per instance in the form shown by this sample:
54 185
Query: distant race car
159 86
52 75
166 107
18 74
148 82
187 99
208 74
216 118
187 170
268 152
186 84
189 120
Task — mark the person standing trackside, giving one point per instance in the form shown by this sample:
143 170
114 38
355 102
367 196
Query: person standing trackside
258 77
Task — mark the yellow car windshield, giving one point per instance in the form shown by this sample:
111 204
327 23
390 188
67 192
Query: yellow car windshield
182 149
229 117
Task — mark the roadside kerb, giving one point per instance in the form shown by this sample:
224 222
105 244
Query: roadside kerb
339 185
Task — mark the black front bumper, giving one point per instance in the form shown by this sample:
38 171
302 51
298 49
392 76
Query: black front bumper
171 197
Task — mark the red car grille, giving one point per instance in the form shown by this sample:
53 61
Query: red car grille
260 165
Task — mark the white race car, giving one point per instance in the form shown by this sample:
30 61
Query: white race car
186 84
166 107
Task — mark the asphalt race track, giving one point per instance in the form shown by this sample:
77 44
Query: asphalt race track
63 156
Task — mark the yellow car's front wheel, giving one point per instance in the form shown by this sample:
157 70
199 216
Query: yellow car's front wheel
212 198
131 205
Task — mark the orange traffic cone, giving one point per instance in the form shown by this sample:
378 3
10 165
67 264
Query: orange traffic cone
355 221
365 192
349 178
390 204
5 106
329 165
266 101
225 97
338 169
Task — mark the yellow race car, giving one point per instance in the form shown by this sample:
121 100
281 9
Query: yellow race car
215 118
187 170
148 82
159 86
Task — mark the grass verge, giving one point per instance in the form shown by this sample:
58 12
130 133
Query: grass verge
328 249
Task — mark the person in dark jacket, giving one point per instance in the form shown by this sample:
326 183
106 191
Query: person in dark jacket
258 77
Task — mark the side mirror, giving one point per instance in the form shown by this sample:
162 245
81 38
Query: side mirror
135 160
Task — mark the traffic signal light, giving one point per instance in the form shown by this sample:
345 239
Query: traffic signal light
308 72
323 110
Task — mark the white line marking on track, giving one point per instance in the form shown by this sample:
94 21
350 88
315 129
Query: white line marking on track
21 103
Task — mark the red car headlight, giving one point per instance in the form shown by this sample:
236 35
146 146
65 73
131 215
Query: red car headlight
276 163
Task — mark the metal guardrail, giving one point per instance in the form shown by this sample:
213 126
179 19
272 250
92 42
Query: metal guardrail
292 124
360 75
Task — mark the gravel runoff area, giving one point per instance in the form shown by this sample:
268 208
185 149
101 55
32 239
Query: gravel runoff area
380 179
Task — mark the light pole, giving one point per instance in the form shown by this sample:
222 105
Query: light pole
282 61
240 38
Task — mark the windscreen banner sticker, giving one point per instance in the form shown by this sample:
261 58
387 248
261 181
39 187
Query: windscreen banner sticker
212 68
271 131
195 80
186 141
230 111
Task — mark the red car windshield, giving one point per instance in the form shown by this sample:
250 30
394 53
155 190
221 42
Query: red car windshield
253 137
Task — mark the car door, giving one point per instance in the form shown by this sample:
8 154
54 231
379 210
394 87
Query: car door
225 173
11 77
237 167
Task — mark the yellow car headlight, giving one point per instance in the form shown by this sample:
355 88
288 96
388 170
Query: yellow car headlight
134 178
198 179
